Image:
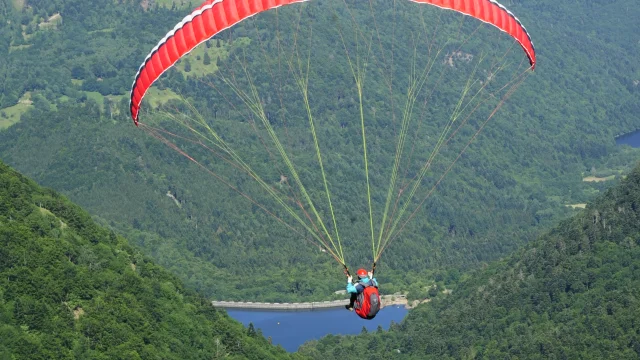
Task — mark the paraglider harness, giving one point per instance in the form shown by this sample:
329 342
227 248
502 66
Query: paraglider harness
367 303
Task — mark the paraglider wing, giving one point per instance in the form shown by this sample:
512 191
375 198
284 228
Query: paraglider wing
214 16
491 12
203 23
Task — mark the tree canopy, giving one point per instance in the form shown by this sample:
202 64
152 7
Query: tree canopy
70 289
572 293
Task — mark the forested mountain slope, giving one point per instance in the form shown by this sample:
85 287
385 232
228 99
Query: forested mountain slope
70 289
572 294
70 64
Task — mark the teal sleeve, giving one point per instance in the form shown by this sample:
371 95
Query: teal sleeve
351 288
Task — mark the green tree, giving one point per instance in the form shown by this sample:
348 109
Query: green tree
251 331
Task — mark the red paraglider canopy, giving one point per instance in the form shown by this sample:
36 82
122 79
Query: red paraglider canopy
214 16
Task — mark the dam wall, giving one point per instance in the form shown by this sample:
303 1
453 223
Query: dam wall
281 306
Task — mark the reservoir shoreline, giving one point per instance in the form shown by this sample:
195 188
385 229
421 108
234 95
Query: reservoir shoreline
631 138
280 306
387 300
629 133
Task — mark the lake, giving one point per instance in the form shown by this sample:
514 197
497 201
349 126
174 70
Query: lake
293 328
632 139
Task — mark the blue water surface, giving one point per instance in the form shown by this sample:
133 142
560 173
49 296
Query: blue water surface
293 328
631 139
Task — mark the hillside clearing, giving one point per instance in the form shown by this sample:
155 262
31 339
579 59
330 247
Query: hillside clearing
19 4
11 115
598 179
13 48
157 97
178 3
576 206
51 22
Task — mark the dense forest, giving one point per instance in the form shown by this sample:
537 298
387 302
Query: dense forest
70 289
573 293
507 263
70 65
